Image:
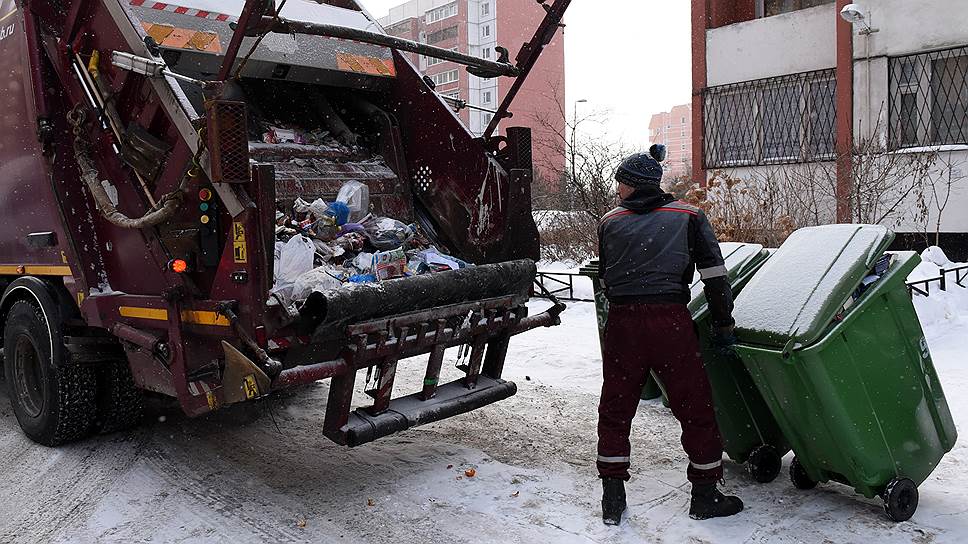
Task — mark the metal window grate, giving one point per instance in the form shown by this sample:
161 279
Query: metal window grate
788 119
928 102
228 141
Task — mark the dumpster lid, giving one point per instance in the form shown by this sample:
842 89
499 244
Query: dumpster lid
805 283
740 258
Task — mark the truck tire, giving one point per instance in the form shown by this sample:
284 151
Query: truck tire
53 400
120 404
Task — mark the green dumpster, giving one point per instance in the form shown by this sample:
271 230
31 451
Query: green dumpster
740 260
750 432
651 390
828 332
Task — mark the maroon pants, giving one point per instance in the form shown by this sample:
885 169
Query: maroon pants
660 338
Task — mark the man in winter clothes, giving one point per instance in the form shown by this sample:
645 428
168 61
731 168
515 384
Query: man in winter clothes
649 249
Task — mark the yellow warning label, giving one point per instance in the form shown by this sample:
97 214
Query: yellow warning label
251 386
239 252
212 400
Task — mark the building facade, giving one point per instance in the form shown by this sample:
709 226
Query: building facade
479 27
673 129
790 84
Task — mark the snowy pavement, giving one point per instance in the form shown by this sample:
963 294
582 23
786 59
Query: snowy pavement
265 472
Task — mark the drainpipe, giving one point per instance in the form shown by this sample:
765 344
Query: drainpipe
699 25
844 142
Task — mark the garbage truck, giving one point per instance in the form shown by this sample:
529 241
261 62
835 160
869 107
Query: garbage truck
148 151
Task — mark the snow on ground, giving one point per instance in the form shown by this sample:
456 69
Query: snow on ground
265 473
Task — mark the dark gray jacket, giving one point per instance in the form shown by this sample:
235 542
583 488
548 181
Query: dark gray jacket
650 248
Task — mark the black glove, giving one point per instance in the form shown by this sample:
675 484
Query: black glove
723 340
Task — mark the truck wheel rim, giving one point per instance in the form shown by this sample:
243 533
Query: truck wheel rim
29 377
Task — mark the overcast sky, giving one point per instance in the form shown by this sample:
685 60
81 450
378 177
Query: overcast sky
630 57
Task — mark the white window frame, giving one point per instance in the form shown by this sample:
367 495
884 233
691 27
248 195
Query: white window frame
446 78
485 9
434 61
486 31
440 13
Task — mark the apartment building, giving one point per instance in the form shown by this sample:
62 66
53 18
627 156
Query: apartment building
479 27
673 129
786 83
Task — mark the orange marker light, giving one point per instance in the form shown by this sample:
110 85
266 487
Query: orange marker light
178 266
205 195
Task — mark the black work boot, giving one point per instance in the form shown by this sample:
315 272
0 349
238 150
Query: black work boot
708 502
613 500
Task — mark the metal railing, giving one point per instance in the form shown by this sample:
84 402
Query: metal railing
559 284
923 287
562 284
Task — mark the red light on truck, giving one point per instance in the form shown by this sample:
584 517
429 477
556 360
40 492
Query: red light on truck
205 195
178 266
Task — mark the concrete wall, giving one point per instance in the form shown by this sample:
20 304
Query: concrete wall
795 42
806 40
905 27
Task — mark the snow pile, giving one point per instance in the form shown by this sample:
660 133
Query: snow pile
943 308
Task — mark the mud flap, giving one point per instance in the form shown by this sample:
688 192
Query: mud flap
242 380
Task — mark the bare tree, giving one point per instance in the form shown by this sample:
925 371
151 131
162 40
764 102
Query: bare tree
769 202
940 186
570 205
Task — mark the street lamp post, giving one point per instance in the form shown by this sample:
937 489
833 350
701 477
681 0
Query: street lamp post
574 130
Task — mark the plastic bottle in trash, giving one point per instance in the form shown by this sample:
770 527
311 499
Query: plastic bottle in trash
356 196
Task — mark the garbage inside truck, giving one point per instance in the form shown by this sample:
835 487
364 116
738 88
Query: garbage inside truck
227 202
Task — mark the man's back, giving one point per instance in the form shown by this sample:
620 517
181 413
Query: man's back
647 256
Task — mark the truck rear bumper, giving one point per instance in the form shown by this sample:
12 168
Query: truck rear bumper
410 411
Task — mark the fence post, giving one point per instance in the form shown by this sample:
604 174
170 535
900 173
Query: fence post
944 282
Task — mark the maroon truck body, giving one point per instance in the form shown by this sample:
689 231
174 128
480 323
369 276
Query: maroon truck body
148 136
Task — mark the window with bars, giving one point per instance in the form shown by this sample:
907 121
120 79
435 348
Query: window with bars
442 12
928 102
776 7
442 35
788 119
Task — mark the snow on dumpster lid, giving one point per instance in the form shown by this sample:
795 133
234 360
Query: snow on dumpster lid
799 291
738 256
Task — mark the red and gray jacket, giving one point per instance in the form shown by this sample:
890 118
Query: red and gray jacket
650 253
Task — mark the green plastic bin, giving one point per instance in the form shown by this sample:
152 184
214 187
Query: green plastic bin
750 433
847 373
740 260
651 390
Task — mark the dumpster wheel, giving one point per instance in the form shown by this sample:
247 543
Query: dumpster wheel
900 499
799 476
765 464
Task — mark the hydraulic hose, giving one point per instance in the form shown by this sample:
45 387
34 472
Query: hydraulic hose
163 211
